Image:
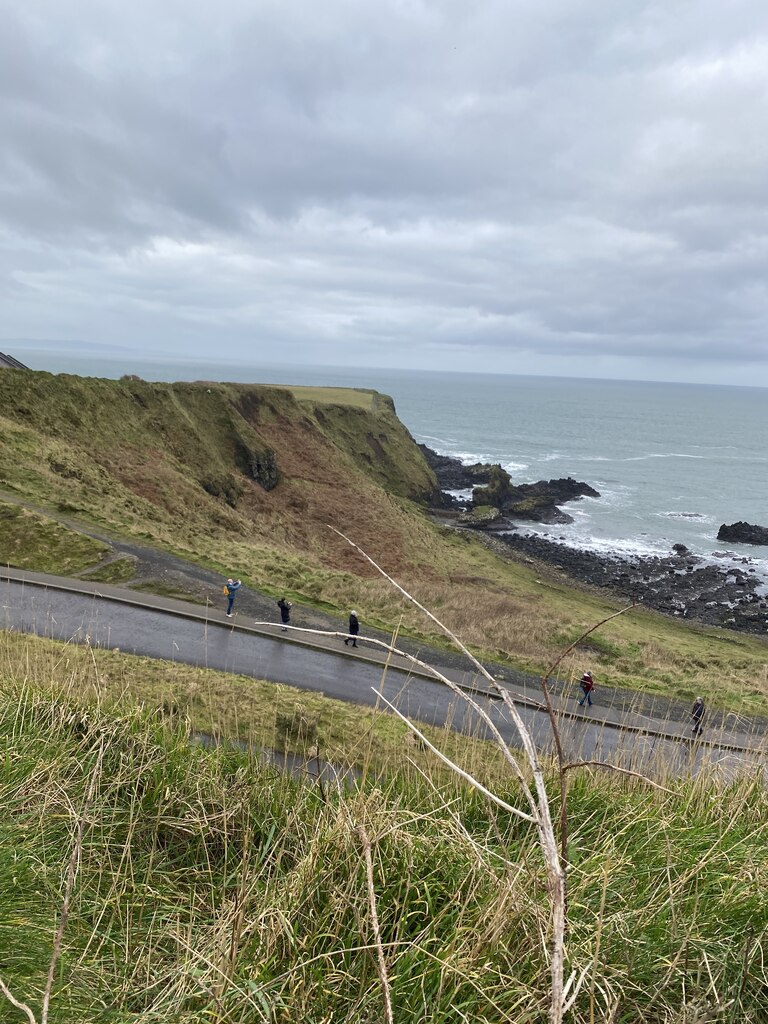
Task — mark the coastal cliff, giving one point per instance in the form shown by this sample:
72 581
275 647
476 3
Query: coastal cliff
178 462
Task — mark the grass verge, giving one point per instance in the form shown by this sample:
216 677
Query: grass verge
212 888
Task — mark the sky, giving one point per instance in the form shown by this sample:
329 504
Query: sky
568 187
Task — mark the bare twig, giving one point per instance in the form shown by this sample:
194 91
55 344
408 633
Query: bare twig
454 687
69 884
584 635
539 805
556 730
382 966
19 1005
615 768
454 767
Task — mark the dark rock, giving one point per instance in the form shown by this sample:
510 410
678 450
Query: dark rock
537 502
680 549
260 466
538 511
492 486
498 491
453 475
743 533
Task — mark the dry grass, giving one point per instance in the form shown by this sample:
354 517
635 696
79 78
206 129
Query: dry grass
211 888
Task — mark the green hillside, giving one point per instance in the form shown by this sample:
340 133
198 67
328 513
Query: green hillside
249 478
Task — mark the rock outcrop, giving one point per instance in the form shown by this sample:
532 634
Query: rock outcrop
260 466
743 533
539 502
484 517
492 486
453 475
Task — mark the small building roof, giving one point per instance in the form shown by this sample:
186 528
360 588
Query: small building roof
9 363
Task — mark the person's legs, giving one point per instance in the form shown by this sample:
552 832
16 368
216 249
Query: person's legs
230 602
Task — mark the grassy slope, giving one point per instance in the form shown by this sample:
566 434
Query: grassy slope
132 456
212 888
31 541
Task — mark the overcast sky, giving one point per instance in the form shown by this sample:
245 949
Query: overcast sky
534 186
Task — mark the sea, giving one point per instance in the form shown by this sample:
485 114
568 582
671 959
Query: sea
671 461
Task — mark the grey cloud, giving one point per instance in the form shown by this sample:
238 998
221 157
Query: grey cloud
545 181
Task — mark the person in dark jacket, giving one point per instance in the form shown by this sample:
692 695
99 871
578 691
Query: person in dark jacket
587 686
697 714
231 588
285 612
354 628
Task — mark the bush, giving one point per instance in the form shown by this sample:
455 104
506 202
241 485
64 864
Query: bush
225 487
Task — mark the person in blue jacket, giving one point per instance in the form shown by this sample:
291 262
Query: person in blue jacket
231 587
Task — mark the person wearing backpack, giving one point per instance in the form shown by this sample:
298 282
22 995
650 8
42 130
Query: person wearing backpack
231 588
587 686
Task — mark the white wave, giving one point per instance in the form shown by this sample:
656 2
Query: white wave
610 497
695 517
610 547
661 455
472 457
514 467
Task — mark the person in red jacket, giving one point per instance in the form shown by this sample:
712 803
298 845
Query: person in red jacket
587 685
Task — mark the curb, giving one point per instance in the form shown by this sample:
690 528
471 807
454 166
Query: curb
120 596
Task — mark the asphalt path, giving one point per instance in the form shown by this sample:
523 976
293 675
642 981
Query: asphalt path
219 645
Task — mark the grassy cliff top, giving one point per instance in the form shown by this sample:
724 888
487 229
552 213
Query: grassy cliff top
359 398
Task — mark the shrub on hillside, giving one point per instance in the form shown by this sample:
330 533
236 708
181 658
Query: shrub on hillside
224 486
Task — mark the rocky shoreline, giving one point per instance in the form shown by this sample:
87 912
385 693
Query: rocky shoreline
682 585
679 584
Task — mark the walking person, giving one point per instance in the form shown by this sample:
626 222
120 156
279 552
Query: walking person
231 588
587 685
354 628
285 613
697 714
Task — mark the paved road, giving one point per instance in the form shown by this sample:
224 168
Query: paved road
202 641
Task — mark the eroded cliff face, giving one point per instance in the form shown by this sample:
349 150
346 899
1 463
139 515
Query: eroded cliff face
181 460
